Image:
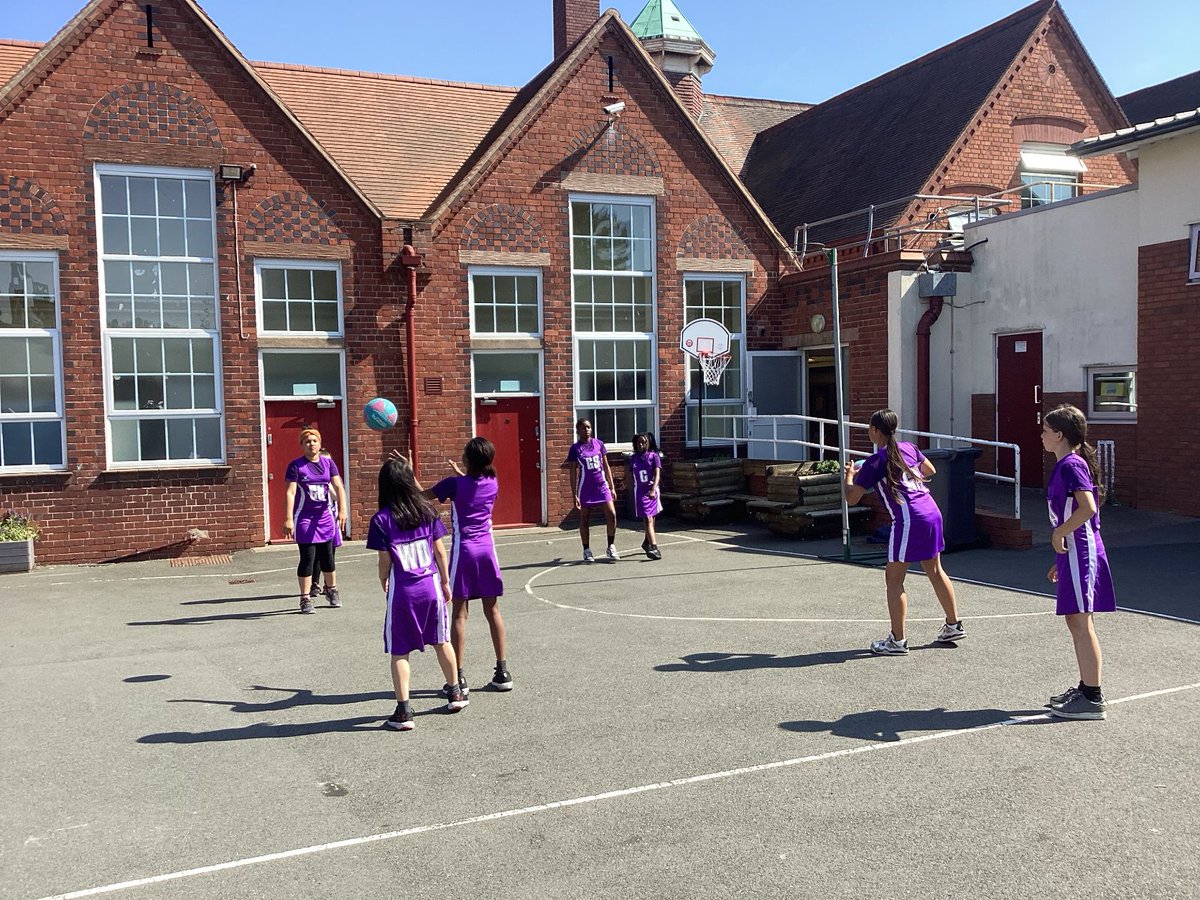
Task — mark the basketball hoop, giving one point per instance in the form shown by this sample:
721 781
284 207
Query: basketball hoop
712 366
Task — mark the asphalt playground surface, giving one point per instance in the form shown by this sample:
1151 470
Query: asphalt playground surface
710 725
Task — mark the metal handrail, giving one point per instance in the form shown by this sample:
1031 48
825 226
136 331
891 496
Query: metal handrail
822 445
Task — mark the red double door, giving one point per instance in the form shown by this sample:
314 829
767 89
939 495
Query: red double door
1019 403
514 425
284 420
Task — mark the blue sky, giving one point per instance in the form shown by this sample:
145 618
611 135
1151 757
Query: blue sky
783 49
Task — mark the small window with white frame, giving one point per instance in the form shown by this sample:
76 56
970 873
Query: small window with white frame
505 302
1112 393
161 337
299 296
1194 250
1048 174
31 378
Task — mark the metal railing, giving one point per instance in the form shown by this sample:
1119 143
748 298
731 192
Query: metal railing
765 431
974 207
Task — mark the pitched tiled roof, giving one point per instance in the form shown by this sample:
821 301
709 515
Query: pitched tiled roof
881 140
14 55
732 123
400 139
1161 100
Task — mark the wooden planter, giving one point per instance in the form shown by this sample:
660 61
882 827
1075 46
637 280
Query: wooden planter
16 556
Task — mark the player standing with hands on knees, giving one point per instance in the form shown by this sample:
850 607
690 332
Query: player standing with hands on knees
901 470
591 485
1081 567
416 582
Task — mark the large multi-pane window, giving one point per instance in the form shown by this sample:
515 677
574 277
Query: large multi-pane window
31 404
506 302
159 301
720 298
300 297
612 263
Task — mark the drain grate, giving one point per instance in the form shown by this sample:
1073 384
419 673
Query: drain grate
214 560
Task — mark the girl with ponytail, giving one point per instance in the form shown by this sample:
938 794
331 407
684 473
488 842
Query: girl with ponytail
1081 567
900 470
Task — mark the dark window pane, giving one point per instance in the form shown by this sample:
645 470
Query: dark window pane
124 392
116 234
179 439
14 394
324 284
199 238
112 194
142 201
17 444
150 392
208 438
170 197
179 392
300 316
198 197
143 237
41 394
12 312
153 433
47 443
299 284
326 317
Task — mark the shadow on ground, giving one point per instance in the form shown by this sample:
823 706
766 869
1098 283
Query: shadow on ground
890 725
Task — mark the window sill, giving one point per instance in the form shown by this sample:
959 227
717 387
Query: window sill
211 471
11 477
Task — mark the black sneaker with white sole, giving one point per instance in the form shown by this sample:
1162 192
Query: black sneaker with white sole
456 700
401 719
1077 706
501 679
1064 696
462 686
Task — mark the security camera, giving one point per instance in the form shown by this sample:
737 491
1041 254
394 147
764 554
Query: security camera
615 109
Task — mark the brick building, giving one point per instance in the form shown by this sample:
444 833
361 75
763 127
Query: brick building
200 254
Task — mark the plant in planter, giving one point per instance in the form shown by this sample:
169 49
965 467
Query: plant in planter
17 534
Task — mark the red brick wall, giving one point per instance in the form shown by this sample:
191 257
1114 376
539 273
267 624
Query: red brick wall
1168 377
698 215
1034 104
186 104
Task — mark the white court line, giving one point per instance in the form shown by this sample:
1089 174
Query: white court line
579 801
805 621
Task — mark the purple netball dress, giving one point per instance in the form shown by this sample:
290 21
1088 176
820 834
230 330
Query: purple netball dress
916 519
643 465
593 486
416 614
313 509
1084 580
474 569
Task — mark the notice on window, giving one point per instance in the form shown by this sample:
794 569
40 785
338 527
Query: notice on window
1020 347
303 390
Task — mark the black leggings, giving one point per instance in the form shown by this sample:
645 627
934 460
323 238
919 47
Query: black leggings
319 554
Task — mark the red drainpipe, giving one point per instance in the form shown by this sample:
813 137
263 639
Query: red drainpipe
410 259
924 327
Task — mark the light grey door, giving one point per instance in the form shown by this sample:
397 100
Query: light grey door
776 388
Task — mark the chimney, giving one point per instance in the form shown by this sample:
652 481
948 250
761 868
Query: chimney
571 19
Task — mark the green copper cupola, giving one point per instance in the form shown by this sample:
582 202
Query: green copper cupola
681 53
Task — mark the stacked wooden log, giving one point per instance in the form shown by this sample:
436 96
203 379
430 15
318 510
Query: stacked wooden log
800 500
703 488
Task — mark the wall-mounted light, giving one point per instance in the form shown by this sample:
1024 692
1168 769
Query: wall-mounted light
235 173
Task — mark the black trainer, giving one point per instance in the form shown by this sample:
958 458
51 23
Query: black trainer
456 700
401 719
501 679
462 686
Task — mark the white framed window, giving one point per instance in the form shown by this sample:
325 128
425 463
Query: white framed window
1048 174
299 297
1194 250
613 277
723 298
1112 393
32 436
158 299
505 302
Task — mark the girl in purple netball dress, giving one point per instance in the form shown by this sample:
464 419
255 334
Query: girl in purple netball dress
646 468
315 591
413 573
901 470
310 519
474 570
1081 567
591 485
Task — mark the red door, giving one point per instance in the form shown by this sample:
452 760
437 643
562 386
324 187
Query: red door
1019 403
514 425
285 419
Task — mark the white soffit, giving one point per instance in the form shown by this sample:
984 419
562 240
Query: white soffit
1033 161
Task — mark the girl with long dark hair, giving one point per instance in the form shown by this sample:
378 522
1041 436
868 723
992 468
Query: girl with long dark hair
1080 566
900 470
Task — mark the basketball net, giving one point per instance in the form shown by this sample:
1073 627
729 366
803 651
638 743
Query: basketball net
712 366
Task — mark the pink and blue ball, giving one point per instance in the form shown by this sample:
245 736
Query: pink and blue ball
380 414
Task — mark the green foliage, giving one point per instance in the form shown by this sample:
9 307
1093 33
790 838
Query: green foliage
17 527
828 467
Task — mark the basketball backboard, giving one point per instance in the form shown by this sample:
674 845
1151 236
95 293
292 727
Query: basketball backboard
704 337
